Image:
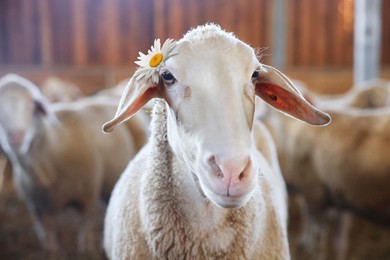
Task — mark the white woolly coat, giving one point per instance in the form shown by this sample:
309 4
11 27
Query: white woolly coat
153 214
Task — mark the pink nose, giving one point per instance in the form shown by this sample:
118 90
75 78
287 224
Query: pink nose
231 171
15 138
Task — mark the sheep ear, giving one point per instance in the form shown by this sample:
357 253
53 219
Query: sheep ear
279 92
136 94
42 108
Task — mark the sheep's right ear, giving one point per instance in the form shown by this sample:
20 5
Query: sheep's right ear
136 94
278 91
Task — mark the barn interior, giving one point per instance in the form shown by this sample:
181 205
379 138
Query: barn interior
329 46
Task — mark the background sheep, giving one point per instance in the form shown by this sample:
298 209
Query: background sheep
58 90
59 156
55 90
200 189
344 166
369 94
3 164
115 91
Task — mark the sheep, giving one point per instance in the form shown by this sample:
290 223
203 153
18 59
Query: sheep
343 166
115 91
3 164
199 189
369 94
59 156
58 90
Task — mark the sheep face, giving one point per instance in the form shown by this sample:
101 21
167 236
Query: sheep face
19 109
209 88
211 107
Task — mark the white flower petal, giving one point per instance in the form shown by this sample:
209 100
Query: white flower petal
152 73
155 78
168 48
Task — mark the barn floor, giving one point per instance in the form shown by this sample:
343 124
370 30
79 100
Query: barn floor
17 239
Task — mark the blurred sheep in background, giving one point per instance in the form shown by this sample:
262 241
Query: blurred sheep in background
344 166
369 94
59 90
61 158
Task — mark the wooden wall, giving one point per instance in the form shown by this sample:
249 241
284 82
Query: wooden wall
111 32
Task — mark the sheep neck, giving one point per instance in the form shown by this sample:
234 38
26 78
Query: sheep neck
171 219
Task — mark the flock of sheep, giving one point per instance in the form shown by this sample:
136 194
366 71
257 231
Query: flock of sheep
208 179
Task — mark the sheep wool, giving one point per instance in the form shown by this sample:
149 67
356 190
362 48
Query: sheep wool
168 230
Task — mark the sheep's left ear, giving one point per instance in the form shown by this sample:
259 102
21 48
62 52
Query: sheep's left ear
279 92
136 94
43 108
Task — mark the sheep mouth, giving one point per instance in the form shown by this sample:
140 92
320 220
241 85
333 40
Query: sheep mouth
231 201
227 200
15 145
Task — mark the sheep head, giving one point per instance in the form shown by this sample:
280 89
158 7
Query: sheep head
20 104
209 88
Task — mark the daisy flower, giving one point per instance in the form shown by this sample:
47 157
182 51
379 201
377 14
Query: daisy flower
150 64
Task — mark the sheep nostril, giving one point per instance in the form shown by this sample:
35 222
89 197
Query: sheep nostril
214 166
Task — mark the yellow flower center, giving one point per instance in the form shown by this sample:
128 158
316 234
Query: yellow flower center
155 60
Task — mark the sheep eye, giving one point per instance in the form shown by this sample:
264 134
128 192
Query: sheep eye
168 77
255 74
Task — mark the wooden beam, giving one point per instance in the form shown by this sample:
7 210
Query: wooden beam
46 33
367 39
279 34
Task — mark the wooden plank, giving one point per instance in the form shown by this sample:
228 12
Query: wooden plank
143 28
159 18
308 34
321 29
175 14
367 39
127 42
279 34
80 43
193 13
336 45
15 28
386 32
5 34
349 33
265 44
292 32
256 23
242 28
104 32
110 32
137 29
46 35
61 29
26 32
227 15
93 33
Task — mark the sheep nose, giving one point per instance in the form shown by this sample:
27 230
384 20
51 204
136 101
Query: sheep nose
15 137
231 171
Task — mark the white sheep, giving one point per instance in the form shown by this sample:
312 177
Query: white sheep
370 94
373 93
200 189
59 155
3 164
59 90
115 91
344 165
